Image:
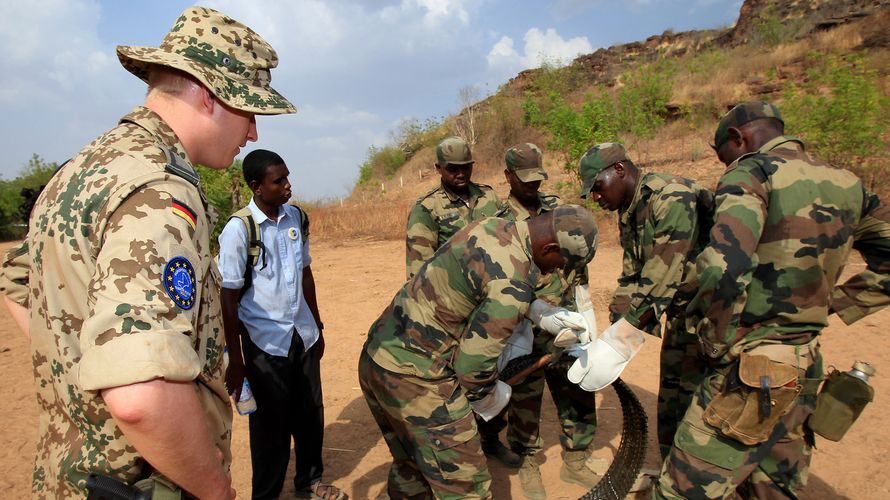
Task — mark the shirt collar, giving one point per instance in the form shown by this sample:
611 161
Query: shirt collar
259 216
624 215
795 143
474 190
154 124
521 212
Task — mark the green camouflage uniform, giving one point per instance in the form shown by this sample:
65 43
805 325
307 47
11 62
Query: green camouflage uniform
436 347
784 226
440 213
101 234
575 407
662 230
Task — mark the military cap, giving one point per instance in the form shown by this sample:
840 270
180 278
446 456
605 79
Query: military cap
230 59
526 162
742 114
597 159
576 233
453 150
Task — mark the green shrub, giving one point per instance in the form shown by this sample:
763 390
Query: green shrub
642 99
841 111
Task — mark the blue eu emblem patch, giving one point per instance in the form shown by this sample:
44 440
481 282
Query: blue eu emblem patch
179 282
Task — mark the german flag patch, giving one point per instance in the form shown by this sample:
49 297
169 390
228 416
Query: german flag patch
182 210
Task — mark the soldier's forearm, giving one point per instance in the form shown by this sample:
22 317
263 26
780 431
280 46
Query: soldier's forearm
164 421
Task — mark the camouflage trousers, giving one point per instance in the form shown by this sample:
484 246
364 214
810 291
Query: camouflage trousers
575 408
431 433
682 370
704 463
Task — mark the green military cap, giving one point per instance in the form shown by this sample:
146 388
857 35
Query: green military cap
526 162
453 150
576 233
597 159
230 59
742 114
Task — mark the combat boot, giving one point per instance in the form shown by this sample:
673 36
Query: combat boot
494 448
576 470
530 479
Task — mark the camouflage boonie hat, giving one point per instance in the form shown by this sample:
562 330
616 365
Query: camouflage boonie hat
576 233
453 150
742 114
230 59
526 162
597 159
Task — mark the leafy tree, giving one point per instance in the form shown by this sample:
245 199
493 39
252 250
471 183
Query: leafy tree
17 196
226 192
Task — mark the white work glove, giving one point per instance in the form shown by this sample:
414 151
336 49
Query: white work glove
519 344
572 339
601 361
492 404
557 319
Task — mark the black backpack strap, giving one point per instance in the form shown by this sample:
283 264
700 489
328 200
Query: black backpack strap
255 249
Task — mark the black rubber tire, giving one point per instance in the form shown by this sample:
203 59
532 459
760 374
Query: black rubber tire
628 461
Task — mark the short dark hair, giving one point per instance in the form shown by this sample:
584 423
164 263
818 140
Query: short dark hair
256 162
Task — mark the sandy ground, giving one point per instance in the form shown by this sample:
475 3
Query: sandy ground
357 280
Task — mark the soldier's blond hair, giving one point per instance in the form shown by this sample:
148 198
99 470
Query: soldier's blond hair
169 81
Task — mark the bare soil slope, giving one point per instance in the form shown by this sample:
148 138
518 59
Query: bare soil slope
357 280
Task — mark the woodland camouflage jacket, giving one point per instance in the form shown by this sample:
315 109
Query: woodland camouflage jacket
661 231
454 317
440 213
783 228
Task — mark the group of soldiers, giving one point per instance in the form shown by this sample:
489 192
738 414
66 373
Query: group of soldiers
737 283
117 288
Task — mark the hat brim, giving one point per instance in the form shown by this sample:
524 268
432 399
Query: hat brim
531 174
250 98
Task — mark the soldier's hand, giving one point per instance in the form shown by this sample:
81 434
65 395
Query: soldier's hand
235 374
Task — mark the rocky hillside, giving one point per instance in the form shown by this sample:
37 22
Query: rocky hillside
801 54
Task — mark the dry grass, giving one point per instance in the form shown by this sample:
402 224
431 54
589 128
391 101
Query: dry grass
724 83
384 220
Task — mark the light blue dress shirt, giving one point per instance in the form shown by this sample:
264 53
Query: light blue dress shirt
274 305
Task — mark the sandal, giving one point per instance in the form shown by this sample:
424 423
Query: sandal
322 491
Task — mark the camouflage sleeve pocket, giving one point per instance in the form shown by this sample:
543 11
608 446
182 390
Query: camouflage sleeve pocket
757 393
455 452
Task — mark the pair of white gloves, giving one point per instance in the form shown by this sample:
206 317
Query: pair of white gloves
601 358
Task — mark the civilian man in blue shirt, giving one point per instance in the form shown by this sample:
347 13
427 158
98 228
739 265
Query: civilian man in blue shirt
275 323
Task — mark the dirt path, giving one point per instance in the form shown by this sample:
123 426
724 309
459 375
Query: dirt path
356 281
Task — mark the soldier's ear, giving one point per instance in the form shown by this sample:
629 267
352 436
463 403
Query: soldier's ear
735 135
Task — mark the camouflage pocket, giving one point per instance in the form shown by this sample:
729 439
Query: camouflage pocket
756 394
456 450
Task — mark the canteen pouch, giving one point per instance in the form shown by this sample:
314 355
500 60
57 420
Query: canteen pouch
757 392
838 405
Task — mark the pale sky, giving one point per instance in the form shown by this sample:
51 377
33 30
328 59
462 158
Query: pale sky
354 69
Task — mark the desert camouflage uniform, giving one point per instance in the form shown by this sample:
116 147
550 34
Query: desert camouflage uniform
435 348
101 234
784 226
440 213
14 274
662 231
575 407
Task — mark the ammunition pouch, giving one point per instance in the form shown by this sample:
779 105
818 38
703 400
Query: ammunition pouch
757 392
